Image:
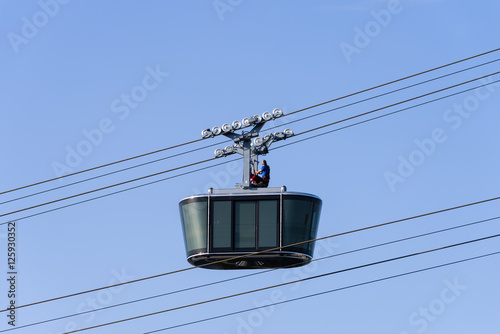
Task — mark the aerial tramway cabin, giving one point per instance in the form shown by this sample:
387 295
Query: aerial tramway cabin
249 227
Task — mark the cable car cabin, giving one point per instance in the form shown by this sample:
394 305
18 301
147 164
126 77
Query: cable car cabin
223 228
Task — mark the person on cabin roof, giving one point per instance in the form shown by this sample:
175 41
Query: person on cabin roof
265 175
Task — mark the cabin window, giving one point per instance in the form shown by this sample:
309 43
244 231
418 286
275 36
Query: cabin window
244 227
268 224
222 229
194 223
301 216
245 224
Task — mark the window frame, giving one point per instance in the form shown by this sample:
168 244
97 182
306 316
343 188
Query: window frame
233 200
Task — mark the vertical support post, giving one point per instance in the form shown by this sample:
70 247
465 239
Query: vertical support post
250 155
209 232
247 156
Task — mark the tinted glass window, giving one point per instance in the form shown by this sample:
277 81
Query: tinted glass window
194 219
315 223
268 224
222 224
244 227
301 217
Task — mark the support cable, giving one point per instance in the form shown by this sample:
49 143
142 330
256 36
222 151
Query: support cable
301 133
264 251
271 128
377 96
291 113
110 173
101 166
120 191
107 187
249 275
394 81
286 283
327 292
370 119
228 161
407 100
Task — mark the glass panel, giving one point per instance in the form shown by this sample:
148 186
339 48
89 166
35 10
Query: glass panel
314 226
194 223
297 214
222 224
268 223
244 227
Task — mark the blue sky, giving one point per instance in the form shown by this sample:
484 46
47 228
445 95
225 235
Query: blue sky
86 83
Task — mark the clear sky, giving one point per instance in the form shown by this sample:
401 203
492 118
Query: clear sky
84 83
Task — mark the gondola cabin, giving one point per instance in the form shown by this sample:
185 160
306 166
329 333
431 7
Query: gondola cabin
233 228
251 226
